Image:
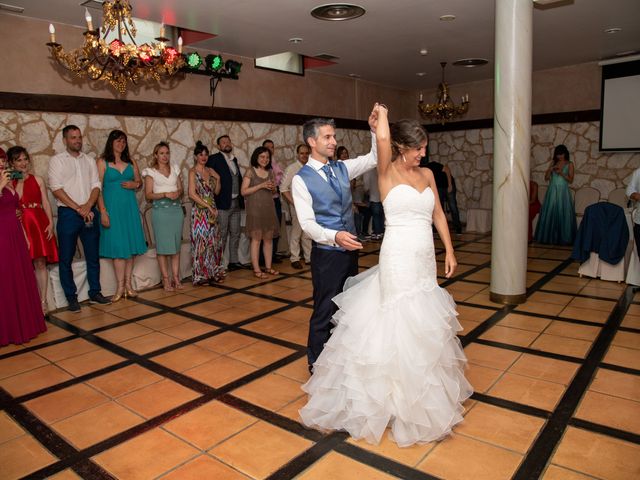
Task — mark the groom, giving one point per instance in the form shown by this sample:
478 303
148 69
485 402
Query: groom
322 199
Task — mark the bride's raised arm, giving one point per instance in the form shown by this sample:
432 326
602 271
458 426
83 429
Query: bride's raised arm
383 140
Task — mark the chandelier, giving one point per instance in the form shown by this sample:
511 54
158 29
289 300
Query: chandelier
445 109
121 60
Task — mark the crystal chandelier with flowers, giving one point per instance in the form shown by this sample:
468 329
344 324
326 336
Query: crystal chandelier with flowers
120 61
444 109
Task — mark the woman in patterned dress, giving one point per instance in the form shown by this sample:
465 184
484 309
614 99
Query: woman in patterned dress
206 245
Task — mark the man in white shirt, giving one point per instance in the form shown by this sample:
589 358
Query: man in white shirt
74 182
297 236
633 192
322 197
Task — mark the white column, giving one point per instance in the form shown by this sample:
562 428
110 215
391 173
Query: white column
511 150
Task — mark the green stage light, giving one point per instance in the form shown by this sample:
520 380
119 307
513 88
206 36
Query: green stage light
194 60
214 62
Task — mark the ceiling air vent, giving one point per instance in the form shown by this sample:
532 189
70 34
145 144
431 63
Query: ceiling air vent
97 4
326 56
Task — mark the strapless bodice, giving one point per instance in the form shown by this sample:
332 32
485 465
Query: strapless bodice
404 206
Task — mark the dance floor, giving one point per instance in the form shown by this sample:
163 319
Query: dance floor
205 384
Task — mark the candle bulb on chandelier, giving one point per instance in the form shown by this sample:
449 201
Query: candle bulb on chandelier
87 17
162 30
52 33
420 97
179 44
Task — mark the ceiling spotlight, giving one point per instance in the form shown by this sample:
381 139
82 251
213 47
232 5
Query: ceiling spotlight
337 12
421 74
295 40
447 18
613 30
470 62
423 51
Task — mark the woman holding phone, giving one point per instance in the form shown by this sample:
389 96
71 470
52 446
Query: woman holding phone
37 218
22 318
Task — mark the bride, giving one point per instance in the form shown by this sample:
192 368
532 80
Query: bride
393 359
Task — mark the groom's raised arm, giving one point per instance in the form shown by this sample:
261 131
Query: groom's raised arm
306 216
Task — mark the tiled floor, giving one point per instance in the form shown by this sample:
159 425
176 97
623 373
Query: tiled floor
205 384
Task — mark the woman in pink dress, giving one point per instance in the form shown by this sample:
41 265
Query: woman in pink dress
22 318
36 219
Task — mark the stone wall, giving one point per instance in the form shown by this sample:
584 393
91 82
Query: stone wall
469 153
41 135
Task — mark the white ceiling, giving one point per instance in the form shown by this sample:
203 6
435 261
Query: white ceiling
383 45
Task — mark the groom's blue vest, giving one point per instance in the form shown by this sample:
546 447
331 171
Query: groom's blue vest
331 211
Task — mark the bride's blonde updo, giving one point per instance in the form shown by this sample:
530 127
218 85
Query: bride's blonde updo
406 134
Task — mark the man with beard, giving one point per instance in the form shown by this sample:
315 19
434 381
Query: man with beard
229 201
74 181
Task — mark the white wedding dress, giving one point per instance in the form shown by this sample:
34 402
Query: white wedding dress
393 358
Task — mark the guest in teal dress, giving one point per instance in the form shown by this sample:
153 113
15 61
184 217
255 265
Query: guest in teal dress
163 188
557 223
121 236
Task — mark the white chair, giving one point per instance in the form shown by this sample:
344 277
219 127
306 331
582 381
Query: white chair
479 217
619 197
584 197
594 267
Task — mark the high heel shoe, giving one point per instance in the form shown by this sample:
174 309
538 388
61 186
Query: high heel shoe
166 284
130 292
177 284
118 295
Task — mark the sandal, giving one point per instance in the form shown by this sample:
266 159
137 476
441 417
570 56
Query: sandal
177 284
271 271
259 274
166 284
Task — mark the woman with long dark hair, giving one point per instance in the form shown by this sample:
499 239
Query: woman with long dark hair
206 243
37 218
21 318
121 235
257 189
557 222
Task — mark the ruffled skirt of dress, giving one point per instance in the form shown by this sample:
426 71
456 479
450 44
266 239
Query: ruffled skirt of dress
399 364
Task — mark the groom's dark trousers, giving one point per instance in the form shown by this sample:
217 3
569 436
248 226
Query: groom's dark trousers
329 270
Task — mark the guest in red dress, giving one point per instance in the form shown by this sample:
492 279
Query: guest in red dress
22 318
534 206
37 219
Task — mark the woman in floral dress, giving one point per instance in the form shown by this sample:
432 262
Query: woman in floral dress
206 245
